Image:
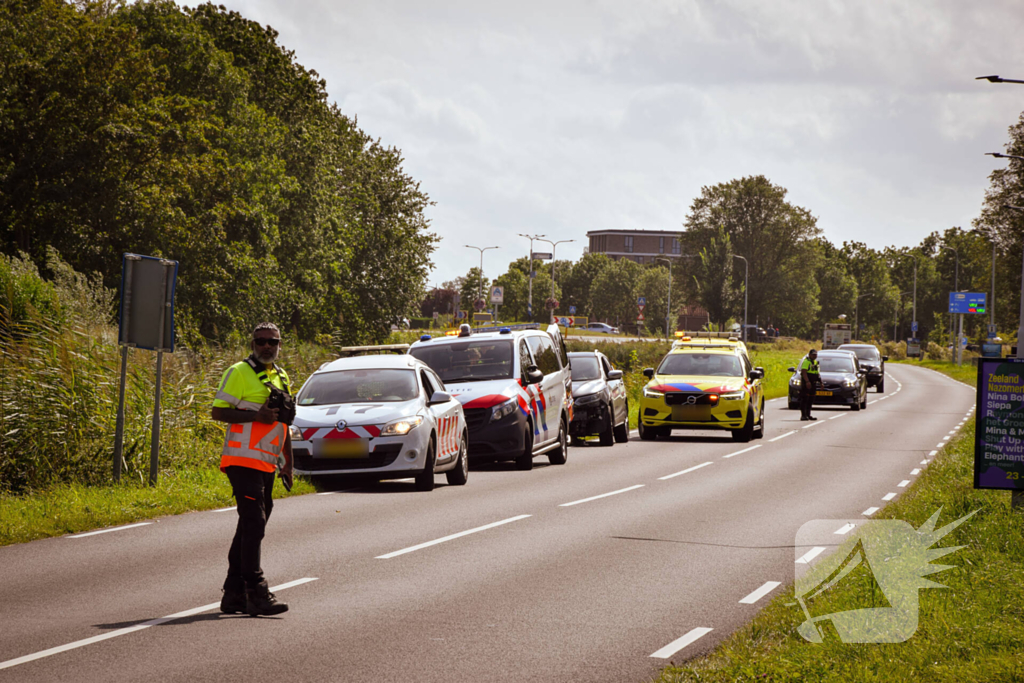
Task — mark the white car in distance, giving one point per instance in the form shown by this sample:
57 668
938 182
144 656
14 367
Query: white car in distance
389 416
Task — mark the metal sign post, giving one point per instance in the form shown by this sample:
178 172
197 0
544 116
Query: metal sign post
146 322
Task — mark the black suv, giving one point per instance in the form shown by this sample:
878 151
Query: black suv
599 399
871 362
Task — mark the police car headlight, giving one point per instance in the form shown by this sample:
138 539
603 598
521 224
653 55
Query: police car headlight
650 393
295 432
849 382
589 399
401 427
794 381
732 396
503 409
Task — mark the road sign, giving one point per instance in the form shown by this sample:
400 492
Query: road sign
641 301
529 310
572 310
641 307
542 255
565 320
963 341
639 317
967 302
999 437
462 315
497 294
913 326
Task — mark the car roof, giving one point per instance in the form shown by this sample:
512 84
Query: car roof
595 352
842 353
843 347
374 362
722 349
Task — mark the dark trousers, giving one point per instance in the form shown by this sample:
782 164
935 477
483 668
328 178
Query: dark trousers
806 400
253 491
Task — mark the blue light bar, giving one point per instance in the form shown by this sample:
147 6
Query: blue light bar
425 337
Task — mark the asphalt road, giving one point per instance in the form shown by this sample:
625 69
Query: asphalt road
574 584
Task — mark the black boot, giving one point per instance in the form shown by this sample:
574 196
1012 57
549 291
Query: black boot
233 601
259 601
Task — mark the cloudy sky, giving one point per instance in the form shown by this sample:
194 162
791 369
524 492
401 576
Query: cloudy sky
564 116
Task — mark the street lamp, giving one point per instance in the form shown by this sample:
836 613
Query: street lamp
956 285
998 155
529 296
480 287
554 245
996 79
746 273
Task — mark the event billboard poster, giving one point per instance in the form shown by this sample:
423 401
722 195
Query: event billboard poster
999 435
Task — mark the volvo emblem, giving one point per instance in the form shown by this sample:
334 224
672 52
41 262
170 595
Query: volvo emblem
342 424
691 400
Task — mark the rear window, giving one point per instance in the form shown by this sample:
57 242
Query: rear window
468 361
708 364
359 386
835 365
863 352
584 368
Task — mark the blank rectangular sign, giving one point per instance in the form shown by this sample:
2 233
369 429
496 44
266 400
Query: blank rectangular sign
147 302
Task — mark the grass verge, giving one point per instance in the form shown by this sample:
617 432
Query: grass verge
74 508
972 630
966 373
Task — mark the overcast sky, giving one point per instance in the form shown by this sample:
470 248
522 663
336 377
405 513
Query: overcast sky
560 117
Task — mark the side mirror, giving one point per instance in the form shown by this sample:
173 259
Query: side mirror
761 369
885 358
534 375
756 374
790 369
649 373
439 397
615 374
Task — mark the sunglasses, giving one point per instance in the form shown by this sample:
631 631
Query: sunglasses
264 342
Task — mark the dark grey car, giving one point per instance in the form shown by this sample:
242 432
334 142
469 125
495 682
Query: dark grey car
843 382
871 361
599 399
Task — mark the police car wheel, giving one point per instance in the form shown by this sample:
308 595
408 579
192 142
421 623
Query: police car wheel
525 460
622 430
608 435
425 479
759 434
459 475
558 456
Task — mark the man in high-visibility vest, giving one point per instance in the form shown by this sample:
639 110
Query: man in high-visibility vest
810 377
256 445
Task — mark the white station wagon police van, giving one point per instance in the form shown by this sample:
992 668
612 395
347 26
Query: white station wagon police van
514 386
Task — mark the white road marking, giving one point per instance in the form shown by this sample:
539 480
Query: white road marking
939 445
679 643
903 484
875 401
952 431
421 546
869 512
687 470
889 496
924 462
881 399
326 493
107 531
130 629
745 450
813 424
810 555
838 416
603 495
945 438
914 472
933 453
764 590
781 437
844 529
226 509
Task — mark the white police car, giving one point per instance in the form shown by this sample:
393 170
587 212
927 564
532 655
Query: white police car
514 385
383 415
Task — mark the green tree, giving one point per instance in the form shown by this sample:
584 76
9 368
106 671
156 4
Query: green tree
613 293
712 279
578 283
653 286
837 287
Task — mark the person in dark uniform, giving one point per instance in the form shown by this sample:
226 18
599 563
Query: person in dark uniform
810 377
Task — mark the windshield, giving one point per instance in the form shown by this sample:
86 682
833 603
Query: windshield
709 364
584 368
359 386
468 361
835 365
866 353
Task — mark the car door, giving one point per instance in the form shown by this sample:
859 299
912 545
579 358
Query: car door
445 416
755 387
551 396
617 389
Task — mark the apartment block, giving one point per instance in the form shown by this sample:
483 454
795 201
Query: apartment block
642 246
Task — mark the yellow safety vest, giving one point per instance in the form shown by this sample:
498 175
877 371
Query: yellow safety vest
251 444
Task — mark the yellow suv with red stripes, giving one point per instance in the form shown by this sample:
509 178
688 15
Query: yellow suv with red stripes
703 387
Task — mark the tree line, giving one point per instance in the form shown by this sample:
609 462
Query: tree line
797 280
191 134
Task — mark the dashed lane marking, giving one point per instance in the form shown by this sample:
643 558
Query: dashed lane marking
810 555
914 472
452 537
813 424
687 470
838 416
781 437
869 512
764 590
131 629
679 643
107 531
933 453
845 529
603 495
226 509
889 496
745 450
903 484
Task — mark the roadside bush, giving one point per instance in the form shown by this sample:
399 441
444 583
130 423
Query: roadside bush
937 352
894 350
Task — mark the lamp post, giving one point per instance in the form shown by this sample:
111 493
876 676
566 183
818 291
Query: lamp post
895 315
480 287
529 274
746 273
668 310
956 287
554 246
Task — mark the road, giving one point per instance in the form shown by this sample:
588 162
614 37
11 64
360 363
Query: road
601 570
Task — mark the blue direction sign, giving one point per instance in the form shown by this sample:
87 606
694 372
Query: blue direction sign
641 301
572 310
913 326
967 302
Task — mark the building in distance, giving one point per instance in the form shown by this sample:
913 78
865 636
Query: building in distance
641 246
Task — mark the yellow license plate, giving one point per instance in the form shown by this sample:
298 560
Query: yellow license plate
342 448
691 413
824 393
